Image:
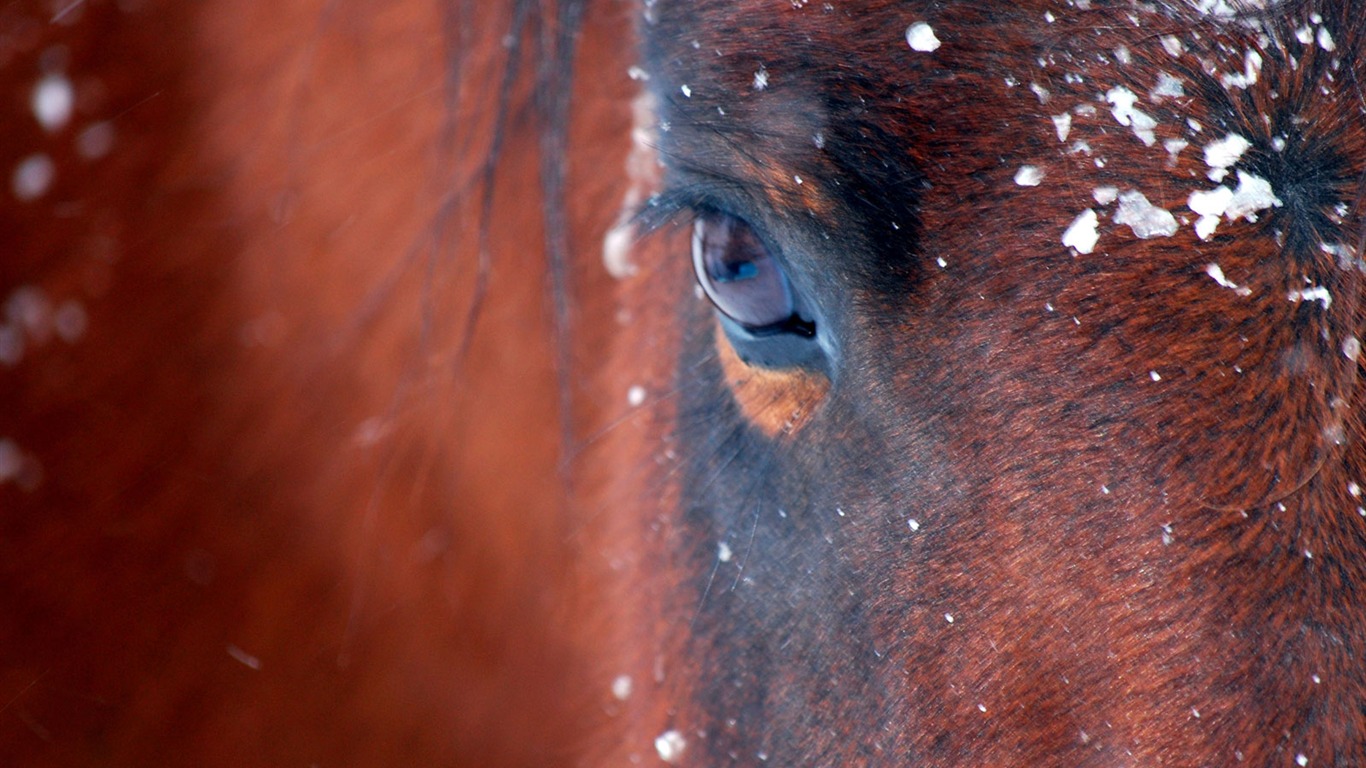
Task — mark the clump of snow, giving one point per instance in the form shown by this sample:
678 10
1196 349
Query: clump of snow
920 36
1123 100
1029 176
1217 275
1081 234
1168 87
1105 195
670 746
1144 218
1222 154
1063 124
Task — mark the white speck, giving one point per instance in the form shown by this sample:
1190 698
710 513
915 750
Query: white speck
920 36
1174 147
1123 56
1168 87
1313 293
1048 16
839 511
1041 92
32 177
981 707
819 140
95 141
724 552
1105 195
1081 234
53 101
1123 101
1029 176
948 617
1105 489
940 261
1253 195
1172 45
687 92
635 395
1222 154
616 250
1144 218
1194 125
1278 143
1210 205
1063 124
1326 43
1300 759
1048 305
1317 680
1167 537
1252 68
1154 375
244 658
797 178
1195 712
670 745
1217 275
621 687
638 74
760 79
1305 35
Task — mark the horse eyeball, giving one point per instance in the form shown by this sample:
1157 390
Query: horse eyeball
738 274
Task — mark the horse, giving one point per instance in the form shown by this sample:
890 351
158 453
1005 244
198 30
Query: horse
588 382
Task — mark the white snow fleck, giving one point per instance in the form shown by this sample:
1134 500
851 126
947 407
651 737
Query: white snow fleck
1174 148
32 177
1222 154
53 101
948 617
1081 234
635 395
1105 195
1063 124
1252 68
1123 101
1040 92
1253 195
1210 205
687 92
616 250
941 262
1123 56
636 73
621 687
760 79
920 36
1300 759
1154 375
670 745
723 552
914 524
1029 176
1325 41
1144 218
1351 349
1317 680
1217 275
1305 34
1172 44
981 708
1168 87
1313 293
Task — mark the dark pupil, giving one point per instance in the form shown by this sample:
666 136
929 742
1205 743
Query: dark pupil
737 273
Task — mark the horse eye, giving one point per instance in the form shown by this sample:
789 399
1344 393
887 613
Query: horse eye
739 275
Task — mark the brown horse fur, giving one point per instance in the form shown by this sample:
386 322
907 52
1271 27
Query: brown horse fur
330 441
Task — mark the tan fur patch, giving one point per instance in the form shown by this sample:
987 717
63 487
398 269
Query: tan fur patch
778 402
